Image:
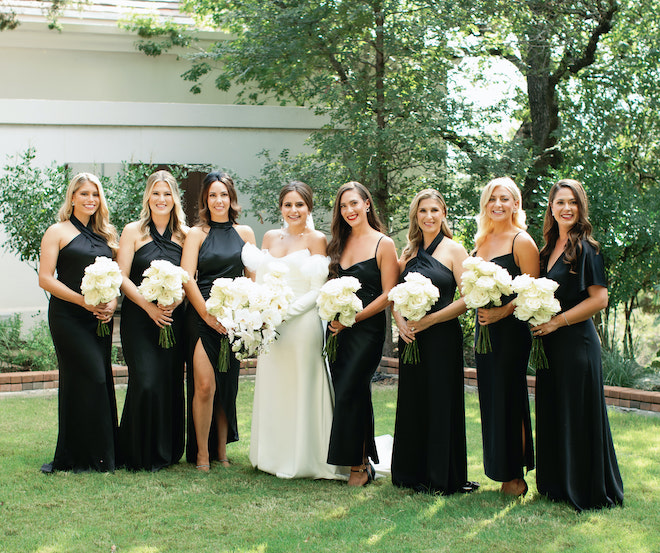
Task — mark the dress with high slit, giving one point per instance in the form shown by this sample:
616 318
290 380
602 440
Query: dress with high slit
219 257
359 350
429 453
292 413
506 427
576 461
151 432
87 410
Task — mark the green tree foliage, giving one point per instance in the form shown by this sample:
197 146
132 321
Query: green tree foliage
611 142
29 200
375 68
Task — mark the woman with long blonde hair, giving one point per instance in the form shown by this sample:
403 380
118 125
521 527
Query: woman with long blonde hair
87 410
502 372
430 452
151 433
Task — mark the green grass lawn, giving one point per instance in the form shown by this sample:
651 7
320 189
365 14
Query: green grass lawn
239 509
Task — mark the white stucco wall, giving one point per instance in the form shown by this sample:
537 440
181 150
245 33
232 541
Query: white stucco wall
85 97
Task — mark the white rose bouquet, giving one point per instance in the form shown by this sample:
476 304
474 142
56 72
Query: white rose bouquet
163 283
250 312
413 299
100 284
337 301
484 284
536 303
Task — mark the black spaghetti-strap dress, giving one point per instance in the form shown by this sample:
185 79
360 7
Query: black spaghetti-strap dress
219 257
359 350
151 432
87 410
575 454
503 395
429 452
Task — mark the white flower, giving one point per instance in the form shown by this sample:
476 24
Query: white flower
163 282
414 297
101 281
484 283
535 302
337 298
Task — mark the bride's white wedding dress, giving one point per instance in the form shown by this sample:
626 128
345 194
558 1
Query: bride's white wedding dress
292 413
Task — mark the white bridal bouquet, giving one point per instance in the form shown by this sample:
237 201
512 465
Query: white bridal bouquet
249 311
101 284
536 303
163 283
413 298
337 301
484 284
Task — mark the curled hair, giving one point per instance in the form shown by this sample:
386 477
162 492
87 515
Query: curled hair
204 214
301 188
177 216
581 230
340 229
484 222
415 236
100 221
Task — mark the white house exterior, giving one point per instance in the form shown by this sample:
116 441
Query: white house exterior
86 97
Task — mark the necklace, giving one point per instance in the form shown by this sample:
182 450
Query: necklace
284 234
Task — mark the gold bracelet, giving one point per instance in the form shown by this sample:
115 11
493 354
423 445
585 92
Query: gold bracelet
567 323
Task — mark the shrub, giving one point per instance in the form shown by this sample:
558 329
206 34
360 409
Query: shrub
34 352
620 370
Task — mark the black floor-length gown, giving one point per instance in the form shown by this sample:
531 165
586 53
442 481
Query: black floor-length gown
151 433
575 457
429 453
219 257
503 395
359 350
87 410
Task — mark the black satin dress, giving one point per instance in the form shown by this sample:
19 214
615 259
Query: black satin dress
575 454
151 430
219 257
359 350
87 410
503 394
429 452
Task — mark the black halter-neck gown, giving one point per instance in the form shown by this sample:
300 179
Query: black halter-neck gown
503 395
429 452
219 257
575 454
359 349
151 430
87 410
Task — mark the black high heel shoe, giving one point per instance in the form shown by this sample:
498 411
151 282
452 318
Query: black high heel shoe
369 469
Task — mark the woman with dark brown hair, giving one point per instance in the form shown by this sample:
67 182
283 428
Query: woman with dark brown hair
292 410
576 461
212 250
358 248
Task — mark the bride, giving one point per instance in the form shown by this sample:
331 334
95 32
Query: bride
292 413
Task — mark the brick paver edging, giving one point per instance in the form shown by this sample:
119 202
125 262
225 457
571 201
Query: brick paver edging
621 397
614 395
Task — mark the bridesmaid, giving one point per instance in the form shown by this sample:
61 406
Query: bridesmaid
575 454
501 373
151 430
87 411
212 250
429 452
358 248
